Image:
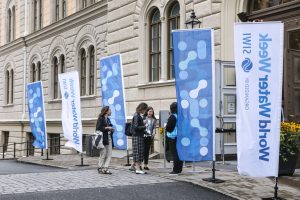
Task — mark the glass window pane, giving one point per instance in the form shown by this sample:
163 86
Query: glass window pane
297 102
229 104
229 137
156 16
229 76
296 63
294 40
175 10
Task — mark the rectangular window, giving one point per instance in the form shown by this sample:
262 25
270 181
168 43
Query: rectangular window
30 140
57 10
229 76
64 8
229 137
229 104
54 144
5 139
35 15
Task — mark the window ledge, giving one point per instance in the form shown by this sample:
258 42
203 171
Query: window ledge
156 84
88 97
54 101
82 97
8 105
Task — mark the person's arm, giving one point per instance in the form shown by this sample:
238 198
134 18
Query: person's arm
100 124
135 124
171 123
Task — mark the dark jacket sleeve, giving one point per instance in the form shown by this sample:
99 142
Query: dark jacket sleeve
101 125
138 124
171 123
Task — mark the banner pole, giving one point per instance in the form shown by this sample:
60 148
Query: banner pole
213 179
81 161
275 192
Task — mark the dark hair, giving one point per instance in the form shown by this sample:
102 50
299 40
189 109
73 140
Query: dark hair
173 107
146 112
104 110
141 107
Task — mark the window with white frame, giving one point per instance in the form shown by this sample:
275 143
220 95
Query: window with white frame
56 10
87 71
155 46
9 85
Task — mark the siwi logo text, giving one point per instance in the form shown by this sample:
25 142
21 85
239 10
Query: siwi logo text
247 63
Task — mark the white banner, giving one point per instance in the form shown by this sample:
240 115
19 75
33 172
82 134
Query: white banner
259 62
71 114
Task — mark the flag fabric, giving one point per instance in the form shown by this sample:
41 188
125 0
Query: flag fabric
36 112
194 78
112 86
71 113
259 65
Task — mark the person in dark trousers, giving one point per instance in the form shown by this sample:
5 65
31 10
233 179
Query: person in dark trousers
138 131
105 126
150 123
172 138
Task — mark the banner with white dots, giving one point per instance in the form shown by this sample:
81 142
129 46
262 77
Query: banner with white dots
194 78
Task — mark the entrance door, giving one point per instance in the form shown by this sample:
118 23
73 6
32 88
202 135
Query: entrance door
292 92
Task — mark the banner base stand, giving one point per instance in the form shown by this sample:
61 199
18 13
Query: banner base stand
128 163
47 158
213 179
81 165
275 192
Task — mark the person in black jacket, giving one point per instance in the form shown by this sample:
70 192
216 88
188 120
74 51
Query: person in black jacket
104 125
138 131
172 138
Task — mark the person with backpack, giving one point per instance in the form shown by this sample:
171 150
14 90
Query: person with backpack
150 123
138 130
105 126
171 129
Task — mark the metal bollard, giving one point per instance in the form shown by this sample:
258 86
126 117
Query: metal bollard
14 150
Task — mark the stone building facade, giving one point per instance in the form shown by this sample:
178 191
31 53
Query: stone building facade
41 38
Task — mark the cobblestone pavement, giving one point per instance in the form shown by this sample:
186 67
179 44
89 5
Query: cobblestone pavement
67 180
235 185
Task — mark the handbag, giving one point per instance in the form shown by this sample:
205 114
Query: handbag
97 140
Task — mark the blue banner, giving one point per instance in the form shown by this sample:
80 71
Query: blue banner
111 74
37 114
194 77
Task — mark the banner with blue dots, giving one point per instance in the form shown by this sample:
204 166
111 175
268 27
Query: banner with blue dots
37 114
111 74
194 78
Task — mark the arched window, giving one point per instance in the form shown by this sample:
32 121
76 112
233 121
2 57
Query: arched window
33 73
9 25
82 72
173 23
92 69
62 64
7 78
55 78
39 71
11 86
155 46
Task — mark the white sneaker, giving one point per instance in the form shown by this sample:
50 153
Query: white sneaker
139 172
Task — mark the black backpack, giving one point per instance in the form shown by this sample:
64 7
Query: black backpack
128 131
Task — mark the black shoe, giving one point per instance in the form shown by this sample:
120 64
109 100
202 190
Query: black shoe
173 173
146 168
